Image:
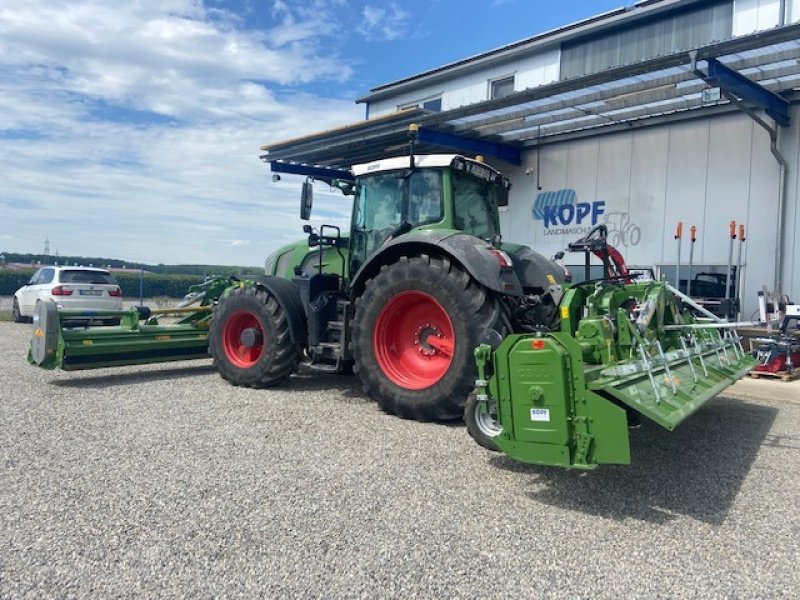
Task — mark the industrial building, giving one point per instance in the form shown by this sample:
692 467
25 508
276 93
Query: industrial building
664 112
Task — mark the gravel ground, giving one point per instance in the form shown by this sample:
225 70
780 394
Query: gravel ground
166 481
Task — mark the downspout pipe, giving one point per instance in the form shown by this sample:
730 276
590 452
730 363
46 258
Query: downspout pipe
783 166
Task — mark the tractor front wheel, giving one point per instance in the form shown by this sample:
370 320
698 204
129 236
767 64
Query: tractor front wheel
414 332
249 339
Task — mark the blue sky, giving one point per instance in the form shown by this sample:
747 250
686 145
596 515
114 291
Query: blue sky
132 129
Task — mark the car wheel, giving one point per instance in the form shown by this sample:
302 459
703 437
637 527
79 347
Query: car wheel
18 318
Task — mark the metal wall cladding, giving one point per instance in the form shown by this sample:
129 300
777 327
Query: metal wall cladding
705 172
758 15
659 36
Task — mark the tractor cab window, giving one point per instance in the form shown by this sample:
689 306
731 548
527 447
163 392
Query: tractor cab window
389 202
475 202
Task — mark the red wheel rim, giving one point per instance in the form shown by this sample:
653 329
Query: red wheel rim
236 351
413 340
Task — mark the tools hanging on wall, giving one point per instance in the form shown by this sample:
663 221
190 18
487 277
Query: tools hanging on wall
722 291
732 227
678 238
739 278
692 240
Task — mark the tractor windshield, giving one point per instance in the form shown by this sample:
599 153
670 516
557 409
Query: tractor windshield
389 203
475 203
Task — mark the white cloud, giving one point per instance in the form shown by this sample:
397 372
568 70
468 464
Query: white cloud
132 129
383 23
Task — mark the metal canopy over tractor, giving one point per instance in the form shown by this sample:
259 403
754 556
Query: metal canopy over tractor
759 70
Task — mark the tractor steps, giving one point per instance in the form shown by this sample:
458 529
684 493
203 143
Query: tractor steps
331 356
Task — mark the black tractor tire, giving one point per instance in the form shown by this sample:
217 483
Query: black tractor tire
480 425
272 358
470 308
17 315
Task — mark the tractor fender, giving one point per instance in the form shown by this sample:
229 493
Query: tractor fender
471 253
535 271
288 297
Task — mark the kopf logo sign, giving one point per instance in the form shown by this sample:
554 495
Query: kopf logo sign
562 214
567 214
562 208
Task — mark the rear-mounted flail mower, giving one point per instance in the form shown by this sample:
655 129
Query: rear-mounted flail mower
68 339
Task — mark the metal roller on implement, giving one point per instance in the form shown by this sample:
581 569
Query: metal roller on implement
65 339
567 398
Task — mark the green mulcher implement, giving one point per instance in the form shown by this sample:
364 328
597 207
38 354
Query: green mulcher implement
67 339
568 397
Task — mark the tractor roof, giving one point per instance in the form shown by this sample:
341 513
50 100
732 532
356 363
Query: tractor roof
420 161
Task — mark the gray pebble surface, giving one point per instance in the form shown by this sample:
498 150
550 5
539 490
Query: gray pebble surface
165 481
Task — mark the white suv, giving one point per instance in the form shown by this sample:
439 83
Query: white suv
71 288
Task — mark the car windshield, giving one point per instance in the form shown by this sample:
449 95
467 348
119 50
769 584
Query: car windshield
92 277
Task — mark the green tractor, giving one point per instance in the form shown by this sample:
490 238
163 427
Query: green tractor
403 300
439 318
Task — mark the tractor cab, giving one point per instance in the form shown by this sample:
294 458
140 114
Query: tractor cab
435 195
435 192
392 197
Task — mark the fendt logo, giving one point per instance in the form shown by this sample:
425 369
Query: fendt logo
564 215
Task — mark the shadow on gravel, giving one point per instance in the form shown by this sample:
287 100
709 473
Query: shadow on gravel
695 471
347 385
81 380
305 381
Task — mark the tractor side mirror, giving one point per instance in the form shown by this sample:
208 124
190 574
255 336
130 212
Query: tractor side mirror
306 200
502 197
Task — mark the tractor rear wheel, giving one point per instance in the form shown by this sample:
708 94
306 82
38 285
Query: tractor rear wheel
414 332
249 339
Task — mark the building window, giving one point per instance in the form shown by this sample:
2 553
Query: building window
431 104
434 104
500 88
